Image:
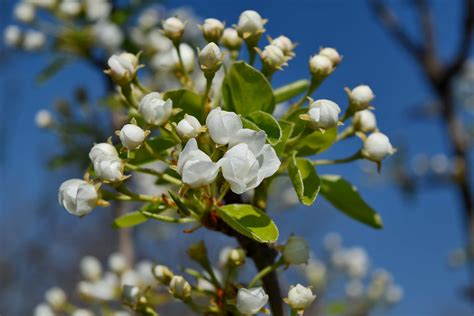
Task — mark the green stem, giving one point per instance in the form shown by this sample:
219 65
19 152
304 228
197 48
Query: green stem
266 271
348 132
293 312
136 196
357 155
136 81
128 94
315 83
252 54
181 63
208 89
168 219
153 172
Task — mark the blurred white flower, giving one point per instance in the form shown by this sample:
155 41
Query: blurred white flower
82 312
44 119
56 298
231 39
300 297
33 40
251 301
108 35
24 12
70 7
117 262
12 35
296 250
212 29
91 268
97 9
43 309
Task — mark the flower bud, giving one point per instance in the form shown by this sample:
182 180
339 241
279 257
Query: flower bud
360 97
300 297
394 294
163 274
97 10
109 169
332 54
56 298
212 30
365 121
377 146
232 257
108 35
285 44
132 136
117 263
296 251
210 58
130 294
231 39
90 268
323 114
179 287
320 66
70 7
43 309
44 119
24 12
223 125
250 27
188 127
273 57
33 40
78 197
123 67
154 109
173 28
12 35
251 301
102 151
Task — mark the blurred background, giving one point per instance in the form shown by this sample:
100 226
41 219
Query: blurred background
425 224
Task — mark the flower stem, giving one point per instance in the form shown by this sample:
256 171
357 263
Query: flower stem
127 93
168 219
315 83
181 64
204 102
252 54
265 271
136 196
357 155
153 172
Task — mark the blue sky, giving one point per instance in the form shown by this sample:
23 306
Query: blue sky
418 234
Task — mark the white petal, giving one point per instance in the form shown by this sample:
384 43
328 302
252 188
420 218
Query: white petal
191 146
254 139
269 163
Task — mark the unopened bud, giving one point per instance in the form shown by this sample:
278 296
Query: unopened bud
210 58
323 114
132 136
320 66
296 251
173 28
360 97
44 119
179 287
332 54
56 298
123 67
377 146
163 274
273 57
188 127
300 297
24 12
231 39
285 44
250 27
365 121
212 30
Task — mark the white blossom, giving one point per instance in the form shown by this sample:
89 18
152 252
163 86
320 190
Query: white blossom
365 121
188 127
223 125
285 44
179 287
195 166
156 40
210 58
377 146
148 18
231 39
33 40
117 262
356 262
173 28
145 272
251 301
250 23
296 250
44 119
394 294
90 268
43 309
212 29
12 35
77 196
360 97
300 297
56 298
97 9
162 274
104 289
24 12
132 136
122 66
354 288
316 273
108 35
102 151
324 114
130 293
70 7
273 57
109 169
320 66
154 109
332 54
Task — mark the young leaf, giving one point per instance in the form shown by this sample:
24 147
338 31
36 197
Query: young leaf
130 220
267 123
286 131
188 101
246 90
249 221
345 197
304 178
316 142
291 90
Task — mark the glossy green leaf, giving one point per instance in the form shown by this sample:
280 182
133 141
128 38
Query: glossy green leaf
267 123
188 101
304 178
345 197
286 131
249 221
130 220
291 90
246 90
315 142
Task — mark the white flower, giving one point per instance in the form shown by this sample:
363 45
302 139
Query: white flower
24 12
285 44
231 39
158 42
250 23
320 66
356 262
365 121
97 9
109 169
82 312
296 250
323 114
144 270
154 109
130 277
33 40
195 167
179 287
332 54
56 298
132 136
316 273
273 57
354 288
43 309
332 241
117 262
300 297
148 18
108 35
12 35
91 268
210 58
377 146
162 274
212 29
122 67
44 119
130 293
248 161
360 97
70 7
223 125
77 196
102 151
104 289
251 301
394 294
188 127
173 28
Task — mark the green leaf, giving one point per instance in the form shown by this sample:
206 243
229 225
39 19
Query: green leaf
159 145
130 220
291 90
246 90
294 118
188 101
304 178
267 123
286 131
52 69
345 197
316 142
249 221
181 206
